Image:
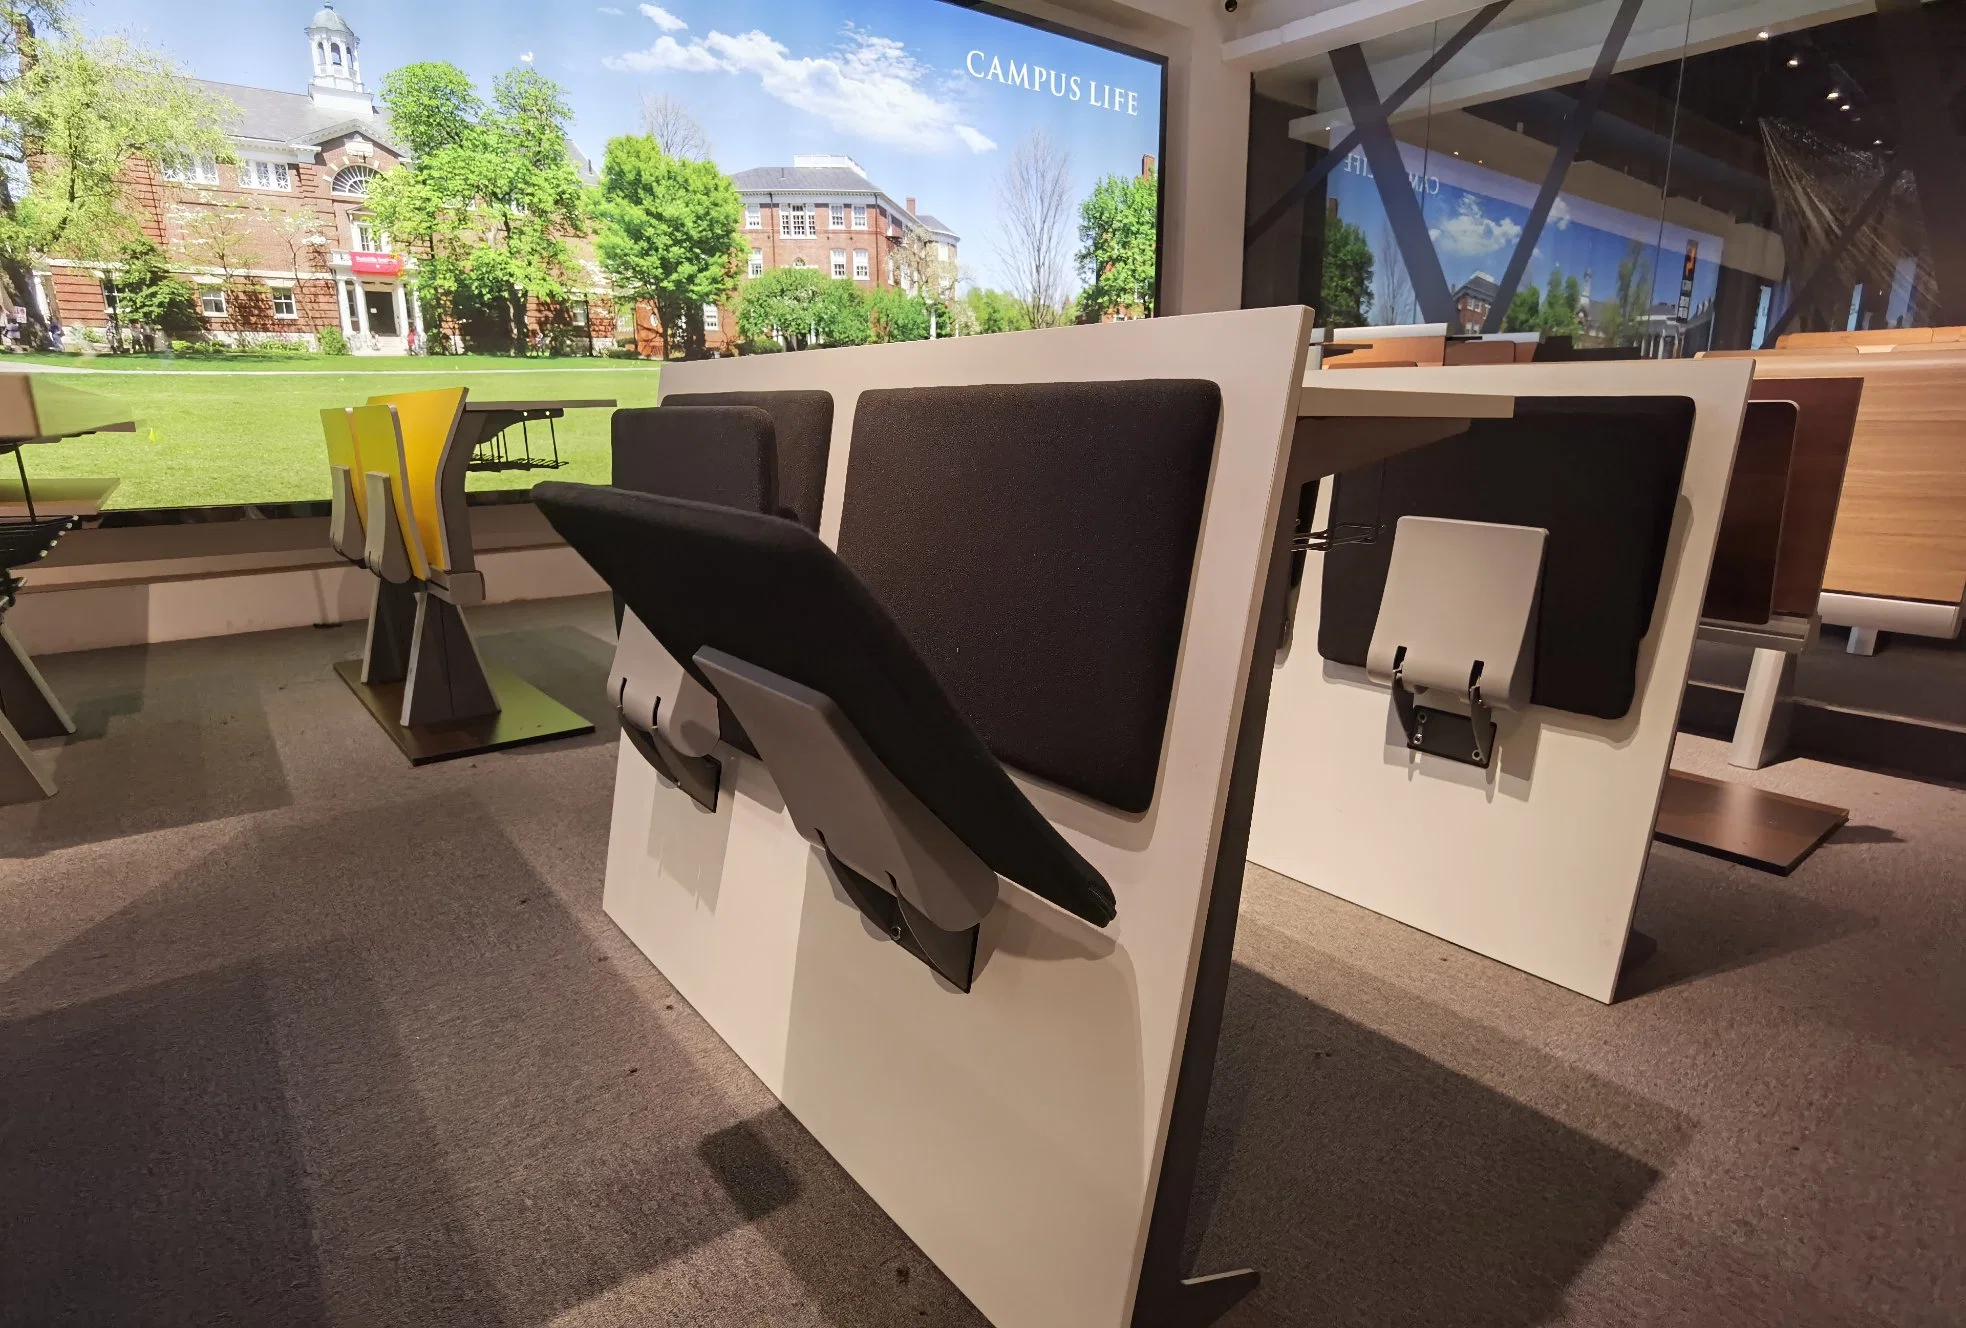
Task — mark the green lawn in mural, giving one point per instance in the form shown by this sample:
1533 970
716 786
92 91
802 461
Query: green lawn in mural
247 429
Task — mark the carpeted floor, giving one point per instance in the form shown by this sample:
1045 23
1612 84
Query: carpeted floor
293 1034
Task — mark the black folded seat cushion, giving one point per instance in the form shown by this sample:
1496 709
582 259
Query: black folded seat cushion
802 423
1601 474
769 592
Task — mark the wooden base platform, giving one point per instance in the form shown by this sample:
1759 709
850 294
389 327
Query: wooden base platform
55 497
1743 824
526 715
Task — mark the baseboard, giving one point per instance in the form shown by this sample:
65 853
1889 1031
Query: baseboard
54 620
1928 750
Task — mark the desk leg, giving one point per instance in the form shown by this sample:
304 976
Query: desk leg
392 623
21 776
446 678
1761 733
31 709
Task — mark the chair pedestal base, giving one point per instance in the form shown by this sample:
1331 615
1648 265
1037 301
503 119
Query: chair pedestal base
524 715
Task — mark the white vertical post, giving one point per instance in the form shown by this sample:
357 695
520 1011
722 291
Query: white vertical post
1761 732
402 312
416 313
361 309
341 307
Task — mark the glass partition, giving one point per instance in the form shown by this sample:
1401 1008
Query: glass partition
1657 175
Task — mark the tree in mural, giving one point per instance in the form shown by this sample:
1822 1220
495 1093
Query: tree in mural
801 307
1034 203
997 311
489 198
1559 316
926 274
1117 251
73 114
667 234
1625 317
1347 293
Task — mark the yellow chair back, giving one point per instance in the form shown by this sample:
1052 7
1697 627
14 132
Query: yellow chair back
338 425
428 421
379 443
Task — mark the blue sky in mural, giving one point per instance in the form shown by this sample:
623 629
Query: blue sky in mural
902 86
1475 216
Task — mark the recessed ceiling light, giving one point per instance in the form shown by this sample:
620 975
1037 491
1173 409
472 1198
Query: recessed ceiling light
1762 35
1795 62
1457 152
1833 95
1844 107
1877 142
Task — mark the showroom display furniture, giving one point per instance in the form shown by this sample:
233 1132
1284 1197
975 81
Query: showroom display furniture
1766 581
396 471
1535 857
1897 557
1784 548
1086 572
36 408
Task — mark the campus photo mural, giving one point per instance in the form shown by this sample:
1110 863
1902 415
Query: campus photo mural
341 200
1596 274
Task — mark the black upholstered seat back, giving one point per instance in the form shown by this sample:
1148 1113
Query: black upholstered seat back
802 423
1601 474
1035 544
726 456
768 592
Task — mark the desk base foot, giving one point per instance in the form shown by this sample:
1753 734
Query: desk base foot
1770 831
1194 1302
525 715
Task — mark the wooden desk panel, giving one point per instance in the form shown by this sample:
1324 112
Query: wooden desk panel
1900 528
1876 336
1484 352
1741 587
1405 352
1824 428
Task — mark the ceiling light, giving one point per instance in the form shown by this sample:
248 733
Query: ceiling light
1762 35
1795 62
1877 142
1844 107
1833 95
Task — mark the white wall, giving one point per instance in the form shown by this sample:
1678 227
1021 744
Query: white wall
1204 166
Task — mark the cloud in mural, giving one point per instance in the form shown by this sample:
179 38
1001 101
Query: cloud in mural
1470 234
869 86
1560 214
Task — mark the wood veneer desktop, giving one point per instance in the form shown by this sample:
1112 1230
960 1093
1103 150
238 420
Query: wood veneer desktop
1901 524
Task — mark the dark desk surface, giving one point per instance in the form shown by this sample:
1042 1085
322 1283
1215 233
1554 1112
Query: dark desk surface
521 407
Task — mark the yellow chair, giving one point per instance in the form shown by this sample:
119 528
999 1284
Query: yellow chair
394 547
349 517
431 473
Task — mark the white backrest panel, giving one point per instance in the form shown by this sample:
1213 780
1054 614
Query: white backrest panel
1013 1132
1536 862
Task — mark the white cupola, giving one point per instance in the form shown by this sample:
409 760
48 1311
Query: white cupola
335 53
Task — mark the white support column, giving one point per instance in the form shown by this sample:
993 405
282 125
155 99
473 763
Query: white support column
341 307
416 314
402 312
1761 733
361 310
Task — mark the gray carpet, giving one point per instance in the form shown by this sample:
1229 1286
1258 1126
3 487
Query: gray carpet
254 1070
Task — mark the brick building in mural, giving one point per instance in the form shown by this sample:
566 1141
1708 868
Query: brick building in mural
278 242
823 212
